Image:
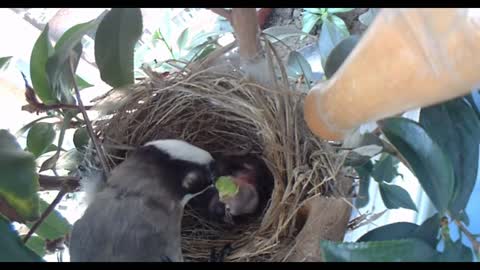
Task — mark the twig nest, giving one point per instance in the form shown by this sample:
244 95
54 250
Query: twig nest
224 114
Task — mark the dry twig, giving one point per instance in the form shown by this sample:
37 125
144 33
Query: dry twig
470 236
98 147
61 193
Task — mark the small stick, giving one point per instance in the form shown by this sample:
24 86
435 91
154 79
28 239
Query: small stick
473 240
48 182
98 147
45 213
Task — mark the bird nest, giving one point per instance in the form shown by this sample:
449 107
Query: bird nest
224 113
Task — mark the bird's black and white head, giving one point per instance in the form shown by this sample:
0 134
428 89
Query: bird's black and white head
191 168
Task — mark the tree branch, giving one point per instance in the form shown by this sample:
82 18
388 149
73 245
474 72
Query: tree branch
41 107
35 106
66 184
98 147
45 213
245 25
473 240
57 182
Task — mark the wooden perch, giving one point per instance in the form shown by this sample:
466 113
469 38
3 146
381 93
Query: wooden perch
47 182
407 59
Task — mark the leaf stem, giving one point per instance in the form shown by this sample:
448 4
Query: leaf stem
166 43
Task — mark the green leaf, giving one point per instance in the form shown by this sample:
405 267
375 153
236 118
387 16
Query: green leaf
330 36
115 41
454 126
54 226
13 250
52 161
38 68
405 250
37 244
29 125
51 147
339 10
385 169
395 197
80 138
368 17
309 20
194 52
428 230
393 231
58 65
4 62
39 138
338 55
427 160
18 180
183 38
205 52
226 187
337 21
364 174
276 33
297 66
81 83
364 147
203 37
456 252
355 159
368 150
70 160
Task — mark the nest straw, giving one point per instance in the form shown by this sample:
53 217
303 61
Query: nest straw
221 111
